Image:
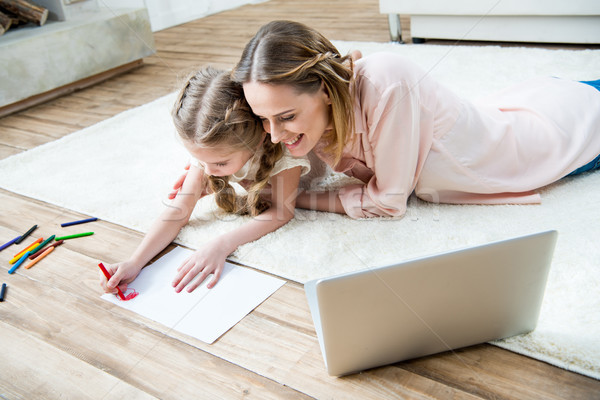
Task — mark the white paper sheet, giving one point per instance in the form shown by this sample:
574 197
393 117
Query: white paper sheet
205 314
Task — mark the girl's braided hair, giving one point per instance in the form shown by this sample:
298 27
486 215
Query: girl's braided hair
211 112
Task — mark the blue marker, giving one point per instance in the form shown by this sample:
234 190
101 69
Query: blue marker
18 263
83 221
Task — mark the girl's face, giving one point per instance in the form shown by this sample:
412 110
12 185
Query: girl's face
219 161
297 120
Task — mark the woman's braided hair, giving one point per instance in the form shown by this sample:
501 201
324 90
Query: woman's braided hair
287 52
211 112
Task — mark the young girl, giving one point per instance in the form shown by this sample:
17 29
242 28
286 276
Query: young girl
385 122
227 144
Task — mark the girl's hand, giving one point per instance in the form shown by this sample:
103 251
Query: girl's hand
179 183
210 259
122 274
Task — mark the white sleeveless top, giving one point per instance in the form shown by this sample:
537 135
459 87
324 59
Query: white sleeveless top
249 170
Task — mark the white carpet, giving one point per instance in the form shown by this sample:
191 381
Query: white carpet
120 170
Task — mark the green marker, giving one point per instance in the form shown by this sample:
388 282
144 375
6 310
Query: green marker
74 236
41 245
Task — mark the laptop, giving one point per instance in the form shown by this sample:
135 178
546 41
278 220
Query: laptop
387 314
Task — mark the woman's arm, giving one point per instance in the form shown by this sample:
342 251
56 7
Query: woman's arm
400 136
162 232
179 183
210 259
321 201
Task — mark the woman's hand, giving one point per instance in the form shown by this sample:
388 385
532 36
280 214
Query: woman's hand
122 273
209 259
355 55
179 183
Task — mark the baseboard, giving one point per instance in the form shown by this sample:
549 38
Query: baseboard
66 89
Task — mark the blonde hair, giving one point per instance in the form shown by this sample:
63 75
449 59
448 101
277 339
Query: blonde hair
287 52
211 112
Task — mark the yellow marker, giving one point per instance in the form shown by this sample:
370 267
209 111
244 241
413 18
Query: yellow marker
26 249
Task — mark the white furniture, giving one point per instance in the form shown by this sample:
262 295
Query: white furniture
550 21
167 13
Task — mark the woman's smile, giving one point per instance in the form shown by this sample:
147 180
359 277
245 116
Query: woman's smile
298 120
295 142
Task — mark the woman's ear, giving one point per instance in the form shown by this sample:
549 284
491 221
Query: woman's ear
325 93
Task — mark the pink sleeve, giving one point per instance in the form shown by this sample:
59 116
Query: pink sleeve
395 147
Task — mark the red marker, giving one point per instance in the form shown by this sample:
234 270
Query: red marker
107 275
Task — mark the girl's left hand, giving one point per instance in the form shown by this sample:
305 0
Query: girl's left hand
209 259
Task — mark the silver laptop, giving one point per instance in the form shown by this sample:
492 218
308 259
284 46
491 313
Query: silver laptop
387 314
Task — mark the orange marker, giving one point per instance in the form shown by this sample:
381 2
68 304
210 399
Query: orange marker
26 249
38 258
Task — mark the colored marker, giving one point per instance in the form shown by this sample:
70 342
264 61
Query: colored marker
40 251
107 275
19 240
41 245
19 254
83 221
18 263
44 254
74 236
5 245
3 292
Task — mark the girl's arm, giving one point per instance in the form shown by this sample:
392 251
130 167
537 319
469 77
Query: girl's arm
211 257
162 232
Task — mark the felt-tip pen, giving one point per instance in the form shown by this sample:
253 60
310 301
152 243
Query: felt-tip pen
5 245
107 275
3 292
18 263
20 239
82 221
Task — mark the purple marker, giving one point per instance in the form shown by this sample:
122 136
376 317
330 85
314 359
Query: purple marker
5 245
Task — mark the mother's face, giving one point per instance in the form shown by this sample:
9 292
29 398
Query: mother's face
297 120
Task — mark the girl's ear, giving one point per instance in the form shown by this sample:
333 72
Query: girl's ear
325 94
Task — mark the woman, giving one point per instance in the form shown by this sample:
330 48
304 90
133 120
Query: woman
384 121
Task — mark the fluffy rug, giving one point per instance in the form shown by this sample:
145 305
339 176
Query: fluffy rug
121 170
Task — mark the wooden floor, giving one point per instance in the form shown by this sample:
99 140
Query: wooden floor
58 339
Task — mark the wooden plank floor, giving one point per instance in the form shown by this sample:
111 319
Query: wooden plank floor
58 339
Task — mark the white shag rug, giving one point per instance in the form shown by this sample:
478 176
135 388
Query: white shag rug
121 170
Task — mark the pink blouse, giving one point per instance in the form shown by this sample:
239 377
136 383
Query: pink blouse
413 134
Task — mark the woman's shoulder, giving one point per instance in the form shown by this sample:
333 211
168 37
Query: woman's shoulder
379 74
385 70
386 63
382 55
